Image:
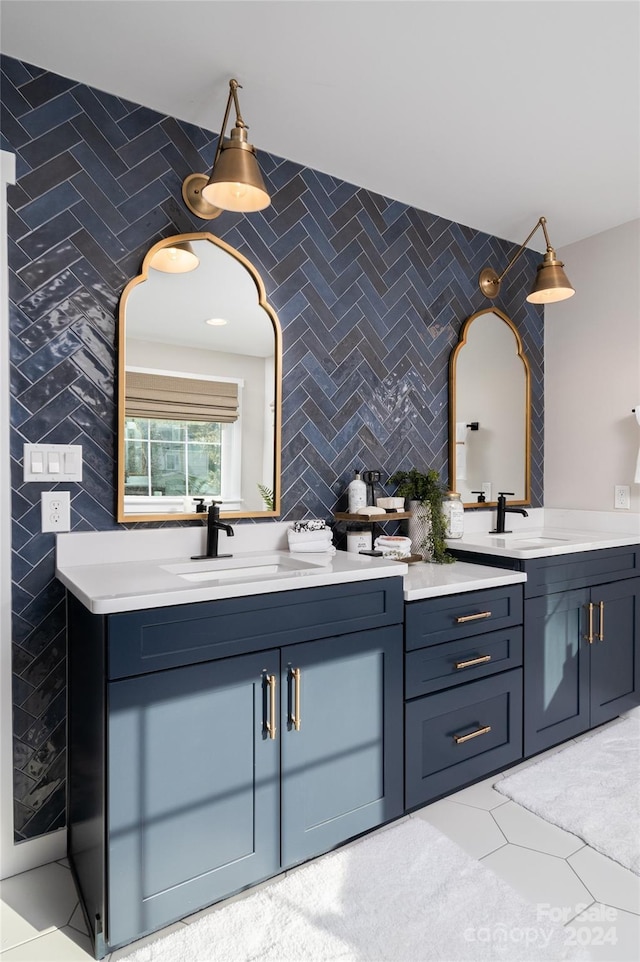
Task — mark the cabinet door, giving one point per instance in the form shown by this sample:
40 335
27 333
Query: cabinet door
556 669
341 724
192 790
615 661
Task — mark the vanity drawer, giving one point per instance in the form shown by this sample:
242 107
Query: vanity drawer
440 756
454 662
158 638
436 620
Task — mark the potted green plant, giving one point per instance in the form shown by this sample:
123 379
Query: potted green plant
425 492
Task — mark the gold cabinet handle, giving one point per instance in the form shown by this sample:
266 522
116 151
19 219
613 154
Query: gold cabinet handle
481 660
271 722
481 614
601 624
460 739
295 717
589 637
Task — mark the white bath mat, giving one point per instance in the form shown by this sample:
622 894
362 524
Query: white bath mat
591 789
405 894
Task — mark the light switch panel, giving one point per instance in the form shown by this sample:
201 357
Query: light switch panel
52 462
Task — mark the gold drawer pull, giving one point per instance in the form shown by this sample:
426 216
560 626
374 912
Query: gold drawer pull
601 631
589 637
481 614
295 718
482 660
271 723
460 739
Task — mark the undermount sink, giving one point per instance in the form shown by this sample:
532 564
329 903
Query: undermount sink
538 542
241 569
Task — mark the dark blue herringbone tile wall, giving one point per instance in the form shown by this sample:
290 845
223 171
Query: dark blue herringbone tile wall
370 294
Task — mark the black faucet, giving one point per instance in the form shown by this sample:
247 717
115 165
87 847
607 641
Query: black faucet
503 509
214 525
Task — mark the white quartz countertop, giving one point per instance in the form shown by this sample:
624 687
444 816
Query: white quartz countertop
541 543
424 580
116 586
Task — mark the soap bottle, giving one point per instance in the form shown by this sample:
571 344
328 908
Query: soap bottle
356 494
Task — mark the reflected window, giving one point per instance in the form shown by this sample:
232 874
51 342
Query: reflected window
169 458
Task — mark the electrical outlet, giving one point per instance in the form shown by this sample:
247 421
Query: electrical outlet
486 487
56 511
621 497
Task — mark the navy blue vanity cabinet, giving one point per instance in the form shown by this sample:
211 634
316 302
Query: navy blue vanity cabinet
582 660
212 745
581 640
463 689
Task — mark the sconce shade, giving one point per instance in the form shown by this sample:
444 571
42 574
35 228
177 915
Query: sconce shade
551 283
177 259
236 182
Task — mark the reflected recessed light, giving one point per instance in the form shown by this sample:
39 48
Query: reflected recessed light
216 321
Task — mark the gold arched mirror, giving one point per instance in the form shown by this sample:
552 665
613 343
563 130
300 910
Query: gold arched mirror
199 386
489 412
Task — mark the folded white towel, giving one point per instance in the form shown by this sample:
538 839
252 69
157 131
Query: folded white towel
313 547
393 541
313 524
393 546
302 537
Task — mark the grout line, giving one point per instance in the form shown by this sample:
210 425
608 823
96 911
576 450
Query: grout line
617 908
68 922
577 875
506 842
585 909
499 829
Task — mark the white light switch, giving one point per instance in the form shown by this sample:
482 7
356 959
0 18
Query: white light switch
52 462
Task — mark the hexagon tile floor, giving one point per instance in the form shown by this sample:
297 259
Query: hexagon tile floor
596 899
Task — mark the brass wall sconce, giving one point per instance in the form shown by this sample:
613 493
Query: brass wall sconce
176 259
235 182
551 283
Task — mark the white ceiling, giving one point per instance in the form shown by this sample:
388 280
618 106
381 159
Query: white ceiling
486 112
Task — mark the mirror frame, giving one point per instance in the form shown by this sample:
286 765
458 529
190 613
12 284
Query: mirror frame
462 340
121 516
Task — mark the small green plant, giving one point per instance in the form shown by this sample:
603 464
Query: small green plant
414 485
267 496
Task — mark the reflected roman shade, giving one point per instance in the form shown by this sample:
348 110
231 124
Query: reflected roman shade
173 398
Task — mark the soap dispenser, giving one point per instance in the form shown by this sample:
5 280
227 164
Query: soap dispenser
356 493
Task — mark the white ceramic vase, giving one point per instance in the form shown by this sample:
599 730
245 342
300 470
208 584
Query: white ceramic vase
419 528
